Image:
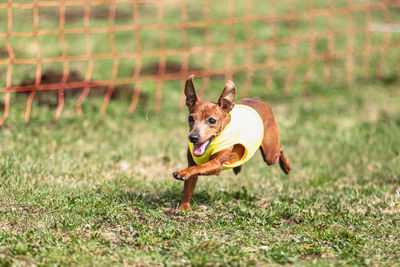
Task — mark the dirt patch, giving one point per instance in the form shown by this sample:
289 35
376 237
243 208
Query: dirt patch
77 13
180 216
3 52
153 68
19 208
388 79
295 220
50 97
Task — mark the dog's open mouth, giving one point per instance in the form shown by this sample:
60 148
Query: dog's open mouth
201 148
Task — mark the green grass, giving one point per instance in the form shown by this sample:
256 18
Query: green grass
98 190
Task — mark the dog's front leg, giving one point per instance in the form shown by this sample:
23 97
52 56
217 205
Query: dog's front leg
212 167
189 186
188 190
191 173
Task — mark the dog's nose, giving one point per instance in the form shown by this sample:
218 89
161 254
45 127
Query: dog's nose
193 138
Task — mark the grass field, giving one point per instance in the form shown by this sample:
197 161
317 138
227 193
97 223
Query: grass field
96 190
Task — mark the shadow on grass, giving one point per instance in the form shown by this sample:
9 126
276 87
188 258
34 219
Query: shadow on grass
171 197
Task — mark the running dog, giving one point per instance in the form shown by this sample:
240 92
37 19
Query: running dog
225 135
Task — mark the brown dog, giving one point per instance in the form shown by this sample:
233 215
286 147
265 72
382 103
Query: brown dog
251 125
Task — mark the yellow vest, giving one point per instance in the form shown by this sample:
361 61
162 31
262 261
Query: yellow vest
246 128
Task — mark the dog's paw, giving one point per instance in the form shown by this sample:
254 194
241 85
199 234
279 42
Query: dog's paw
184 206
184 174
179 176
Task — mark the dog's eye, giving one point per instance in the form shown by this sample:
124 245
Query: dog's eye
190 119
212 121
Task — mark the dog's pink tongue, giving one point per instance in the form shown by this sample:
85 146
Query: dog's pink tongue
199 149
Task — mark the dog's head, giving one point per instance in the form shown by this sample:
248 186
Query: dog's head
207 119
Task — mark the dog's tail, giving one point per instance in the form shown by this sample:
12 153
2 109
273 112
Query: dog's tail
284 163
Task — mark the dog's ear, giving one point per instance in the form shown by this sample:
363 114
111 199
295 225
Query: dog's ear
190 92
227 97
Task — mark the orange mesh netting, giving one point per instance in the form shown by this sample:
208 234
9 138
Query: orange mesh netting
248 14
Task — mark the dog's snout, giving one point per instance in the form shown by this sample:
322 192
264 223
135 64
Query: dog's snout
194 137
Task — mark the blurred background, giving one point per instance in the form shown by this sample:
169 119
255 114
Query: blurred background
143 50
94 189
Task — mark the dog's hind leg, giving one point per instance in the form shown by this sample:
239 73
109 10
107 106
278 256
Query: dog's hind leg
270 149
269 158
284 163
237 169
273 157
